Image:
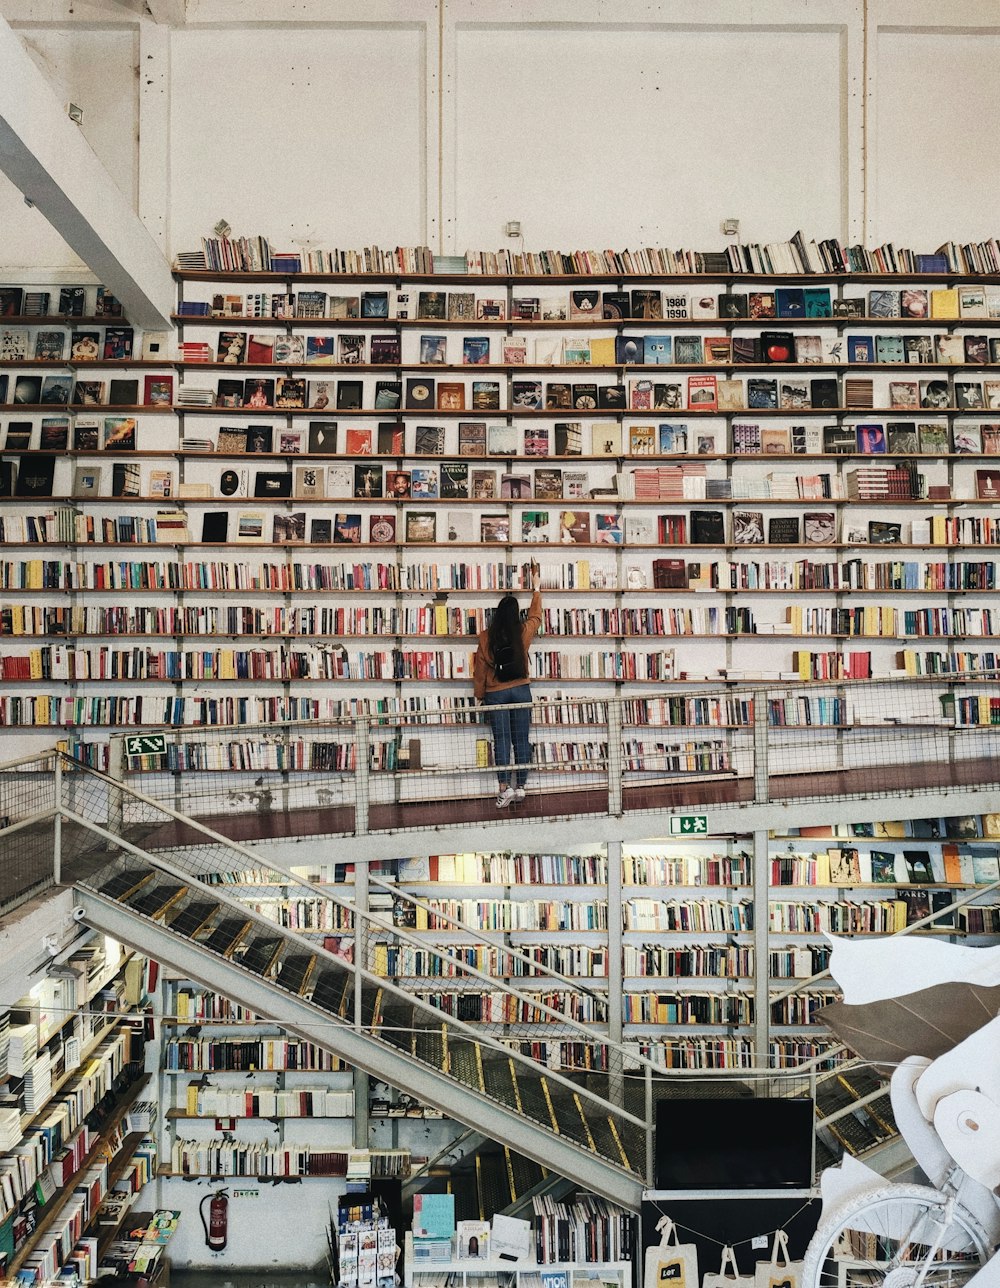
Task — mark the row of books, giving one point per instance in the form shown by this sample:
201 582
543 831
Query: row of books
797 255
254 255
582 305
756 258
212 1054
704 392
477 439
745 527
62 391
71 301
113 344
207 1101
505 869
768 348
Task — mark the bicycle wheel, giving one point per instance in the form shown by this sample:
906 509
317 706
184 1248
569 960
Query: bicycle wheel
901 1236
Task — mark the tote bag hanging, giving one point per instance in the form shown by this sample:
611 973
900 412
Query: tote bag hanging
670 1264
729 1273
779 1272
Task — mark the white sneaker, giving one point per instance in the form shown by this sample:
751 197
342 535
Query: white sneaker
506 795
519 793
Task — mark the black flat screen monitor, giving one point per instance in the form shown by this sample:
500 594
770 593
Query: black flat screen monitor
704 1144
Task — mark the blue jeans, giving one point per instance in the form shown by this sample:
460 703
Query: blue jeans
510 725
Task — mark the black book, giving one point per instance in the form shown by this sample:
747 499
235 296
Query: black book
527 395
432 304
321 531
19 436
374 304
349 395
616 304
257 392
647 302
777 346
123 393
746 349
708 528
455 479
272 483
419 393
941 899
840 439
35 475
215 527
85 438
368 479
429 440
585 397
391 438
6 478
783 531
125 479
733 306
11 301
762 393
71 301
386 349
824 392
611 397
28 390
260 438
322 437
568 438
901 438
630 348
881 533
849 308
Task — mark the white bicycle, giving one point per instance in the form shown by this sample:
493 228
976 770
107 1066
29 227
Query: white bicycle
946 1101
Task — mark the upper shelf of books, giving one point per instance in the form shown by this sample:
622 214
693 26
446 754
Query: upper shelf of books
253 256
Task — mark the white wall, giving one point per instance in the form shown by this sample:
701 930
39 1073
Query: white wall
95 67
620 135
313 133
595 124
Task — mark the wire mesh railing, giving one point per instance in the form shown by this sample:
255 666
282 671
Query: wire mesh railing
723 746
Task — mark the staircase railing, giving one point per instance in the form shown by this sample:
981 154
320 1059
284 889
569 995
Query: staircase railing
346 942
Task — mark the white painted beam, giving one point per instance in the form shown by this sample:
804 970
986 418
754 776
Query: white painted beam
170 13
44 154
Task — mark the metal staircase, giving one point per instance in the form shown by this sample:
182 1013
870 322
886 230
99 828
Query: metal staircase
326 989
149 876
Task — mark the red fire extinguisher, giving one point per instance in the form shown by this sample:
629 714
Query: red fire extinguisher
217 1225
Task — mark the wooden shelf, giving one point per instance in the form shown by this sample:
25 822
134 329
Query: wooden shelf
55 1205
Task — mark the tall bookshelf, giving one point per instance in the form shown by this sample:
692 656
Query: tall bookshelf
666 959
77 1116
833 536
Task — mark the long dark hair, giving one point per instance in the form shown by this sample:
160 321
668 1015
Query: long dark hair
505 628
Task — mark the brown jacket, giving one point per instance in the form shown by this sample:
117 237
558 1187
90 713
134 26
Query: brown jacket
483 676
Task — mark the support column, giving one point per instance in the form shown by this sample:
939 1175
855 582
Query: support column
761 939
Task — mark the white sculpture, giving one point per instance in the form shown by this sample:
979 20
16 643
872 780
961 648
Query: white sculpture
946 1100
